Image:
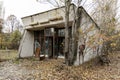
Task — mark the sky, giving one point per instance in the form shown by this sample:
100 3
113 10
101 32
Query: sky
21 8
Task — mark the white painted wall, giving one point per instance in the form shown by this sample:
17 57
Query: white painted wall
89 52
27 44
26 21
47 16
26 48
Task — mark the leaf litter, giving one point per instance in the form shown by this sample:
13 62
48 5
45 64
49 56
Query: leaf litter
55 69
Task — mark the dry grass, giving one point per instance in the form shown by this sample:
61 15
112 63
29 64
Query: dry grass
8 54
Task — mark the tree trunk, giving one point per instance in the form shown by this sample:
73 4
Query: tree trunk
71 43
67 9
74 40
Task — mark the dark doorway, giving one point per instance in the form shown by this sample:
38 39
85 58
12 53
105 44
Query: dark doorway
51 41
49 46
61 46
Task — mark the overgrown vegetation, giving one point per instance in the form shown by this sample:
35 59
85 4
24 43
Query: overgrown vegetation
105 15
10 40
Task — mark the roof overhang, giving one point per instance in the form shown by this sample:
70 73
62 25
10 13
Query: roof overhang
39 27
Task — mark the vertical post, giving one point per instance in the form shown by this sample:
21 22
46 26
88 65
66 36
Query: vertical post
54 43
44 42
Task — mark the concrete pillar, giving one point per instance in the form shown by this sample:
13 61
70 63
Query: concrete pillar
26 48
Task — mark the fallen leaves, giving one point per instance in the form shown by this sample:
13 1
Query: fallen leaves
53 69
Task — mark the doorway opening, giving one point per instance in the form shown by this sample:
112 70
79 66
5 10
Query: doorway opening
51 41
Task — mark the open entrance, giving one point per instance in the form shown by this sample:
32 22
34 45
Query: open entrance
61 46
49 47
51 41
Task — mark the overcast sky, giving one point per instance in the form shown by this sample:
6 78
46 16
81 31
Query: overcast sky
21 8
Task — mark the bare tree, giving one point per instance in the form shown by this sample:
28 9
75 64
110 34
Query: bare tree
55 3
13 23
105 16
74 37
67 12
1 24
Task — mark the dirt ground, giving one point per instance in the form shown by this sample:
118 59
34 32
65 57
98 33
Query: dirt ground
29 69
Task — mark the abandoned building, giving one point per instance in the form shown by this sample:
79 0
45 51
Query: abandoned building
48 27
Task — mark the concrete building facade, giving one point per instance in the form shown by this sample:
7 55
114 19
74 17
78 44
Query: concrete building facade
48 28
